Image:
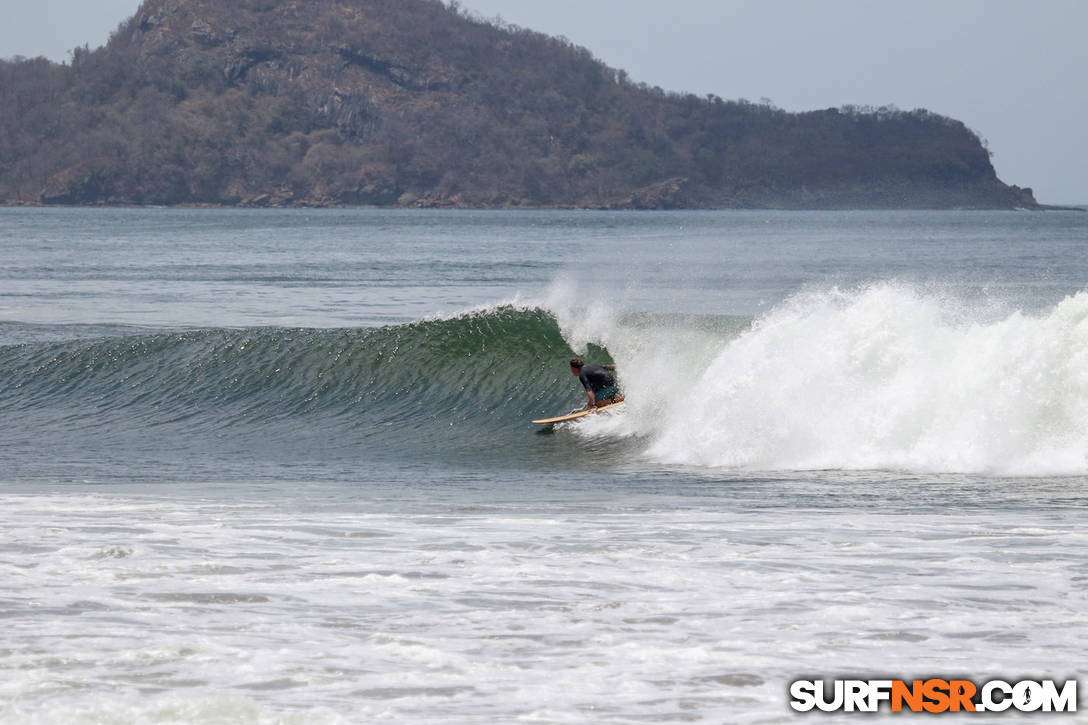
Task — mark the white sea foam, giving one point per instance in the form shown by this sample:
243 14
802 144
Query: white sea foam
883 377
251 610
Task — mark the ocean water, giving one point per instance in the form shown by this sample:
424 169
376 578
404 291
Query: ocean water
277 466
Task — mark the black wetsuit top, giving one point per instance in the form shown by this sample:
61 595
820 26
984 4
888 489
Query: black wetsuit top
595 377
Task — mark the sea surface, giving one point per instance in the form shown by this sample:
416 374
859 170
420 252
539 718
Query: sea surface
278 466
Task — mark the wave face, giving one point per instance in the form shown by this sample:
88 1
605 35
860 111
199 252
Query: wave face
438 382
886 377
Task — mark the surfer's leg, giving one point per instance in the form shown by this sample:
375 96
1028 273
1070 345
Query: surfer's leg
608 395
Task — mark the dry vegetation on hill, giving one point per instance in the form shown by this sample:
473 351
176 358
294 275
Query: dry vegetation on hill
414 103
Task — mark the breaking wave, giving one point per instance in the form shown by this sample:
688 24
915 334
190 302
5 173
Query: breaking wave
887 377
883 377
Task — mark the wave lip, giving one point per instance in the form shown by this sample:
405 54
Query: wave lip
888 377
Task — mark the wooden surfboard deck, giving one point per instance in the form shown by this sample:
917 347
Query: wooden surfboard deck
572 416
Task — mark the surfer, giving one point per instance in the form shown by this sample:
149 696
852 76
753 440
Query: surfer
599 382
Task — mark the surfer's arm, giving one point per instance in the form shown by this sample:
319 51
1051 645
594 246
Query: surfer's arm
609 367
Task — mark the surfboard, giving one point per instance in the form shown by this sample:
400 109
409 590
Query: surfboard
572 416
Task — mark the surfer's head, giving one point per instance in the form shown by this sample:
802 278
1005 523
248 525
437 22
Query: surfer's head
576 365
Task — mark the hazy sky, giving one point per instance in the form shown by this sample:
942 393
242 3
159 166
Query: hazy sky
1013 71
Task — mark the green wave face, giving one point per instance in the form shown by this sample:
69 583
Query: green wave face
440 382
